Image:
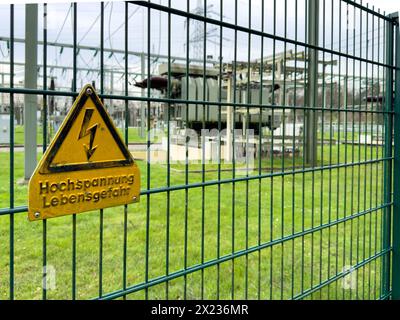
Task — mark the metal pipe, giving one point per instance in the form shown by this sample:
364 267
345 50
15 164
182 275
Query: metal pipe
310 119
30 110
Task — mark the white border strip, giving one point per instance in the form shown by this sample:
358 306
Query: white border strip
51 1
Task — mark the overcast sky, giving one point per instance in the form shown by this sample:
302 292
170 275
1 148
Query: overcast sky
387 5
60 31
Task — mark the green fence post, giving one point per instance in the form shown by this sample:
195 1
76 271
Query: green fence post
386 228
396 180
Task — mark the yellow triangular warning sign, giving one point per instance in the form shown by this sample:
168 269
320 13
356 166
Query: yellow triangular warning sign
87 139
87 165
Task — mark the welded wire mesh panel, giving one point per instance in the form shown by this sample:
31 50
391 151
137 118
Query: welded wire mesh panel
263 132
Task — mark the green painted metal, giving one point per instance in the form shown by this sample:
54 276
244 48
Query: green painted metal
286 230
388 151
396 173
12 156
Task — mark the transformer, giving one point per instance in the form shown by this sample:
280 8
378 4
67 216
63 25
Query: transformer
202 108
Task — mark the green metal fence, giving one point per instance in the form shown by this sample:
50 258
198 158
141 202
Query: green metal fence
311 215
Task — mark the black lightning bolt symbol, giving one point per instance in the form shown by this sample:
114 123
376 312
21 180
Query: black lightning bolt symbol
85 130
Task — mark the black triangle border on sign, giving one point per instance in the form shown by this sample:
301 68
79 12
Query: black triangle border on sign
65 128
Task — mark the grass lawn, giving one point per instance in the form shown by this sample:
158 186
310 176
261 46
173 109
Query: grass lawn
217 223
133 135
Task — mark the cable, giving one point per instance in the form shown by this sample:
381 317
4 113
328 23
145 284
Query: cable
159 40
58 36
109 36
62 27
121 25
92 25
2 53
88 65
